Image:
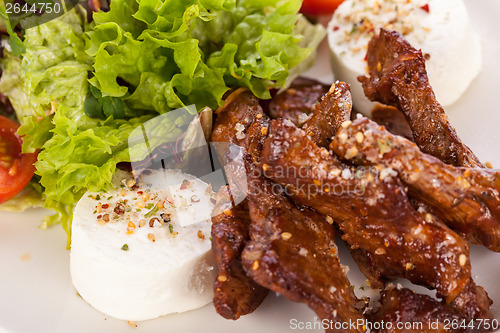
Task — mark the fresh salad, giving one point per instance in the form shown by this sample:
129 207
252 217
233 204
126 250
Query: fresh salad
73 89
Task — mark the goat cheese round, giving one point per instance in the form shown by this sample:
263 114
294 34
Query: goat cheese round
130 256
440 28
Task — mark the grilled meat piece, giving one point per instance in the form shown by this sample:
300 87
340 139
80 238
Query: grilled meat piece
393 120
305 267
398 78
235 293
373 212
231 121
327 291
467 199
422 314
367 265
292 251
333 110
473 303
301 98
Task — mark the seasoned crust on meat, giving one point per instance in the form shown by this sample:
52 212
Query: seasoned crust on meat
422 313
292 252
240 109
398 78
379 219
235 294
468 200
297 101
393 120
333 110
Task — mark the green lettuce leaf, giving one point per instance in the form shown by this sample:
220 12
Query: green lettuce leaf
170 53
313 35
11 84
76 153
15 42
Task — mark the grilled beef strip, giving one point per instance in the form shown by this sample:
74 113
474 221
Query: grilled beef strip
305 267
235 293
292 251
393 120
473 303
419 314
468 200
379 220
374 214
398 77
364 258
298 100
240 109
333 110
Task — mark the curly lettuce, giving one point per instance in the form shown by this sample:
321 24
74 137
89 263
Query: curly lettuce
76 153
162 55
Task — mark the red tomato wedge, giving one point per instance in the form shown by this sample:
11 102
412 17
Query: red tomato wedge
319 7
16 169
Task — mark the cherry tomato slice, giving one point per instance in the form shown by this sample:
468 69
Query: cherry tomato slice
319 7
16 169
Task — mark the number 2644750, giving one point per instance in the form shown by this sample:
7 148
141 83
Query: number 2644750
17 8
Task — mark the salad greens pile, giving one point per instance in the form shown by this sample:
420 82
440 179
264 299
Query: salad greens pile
81 88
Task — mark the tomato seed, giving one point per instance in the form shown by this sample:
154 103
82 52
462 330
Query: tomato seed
14 169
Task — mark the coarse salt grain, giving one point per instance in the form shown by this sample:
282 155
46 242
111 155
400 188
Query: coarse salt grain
346 174
387 172
335 172
351 153
462 260
346 124
302 118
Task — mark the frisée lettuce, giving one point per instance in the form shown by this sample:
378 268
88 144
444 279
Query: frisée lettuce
177 53
141 59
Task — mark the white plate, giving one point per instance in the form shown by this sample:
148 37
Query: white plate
36 294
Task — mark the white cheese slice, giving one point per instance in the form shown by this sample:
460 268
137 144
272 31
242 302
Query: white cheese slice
440 28
131 265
